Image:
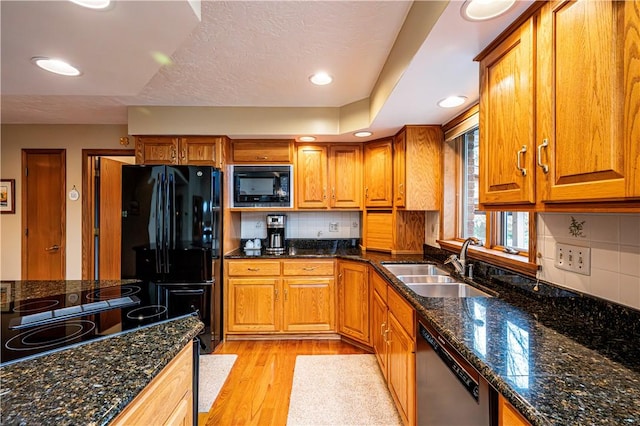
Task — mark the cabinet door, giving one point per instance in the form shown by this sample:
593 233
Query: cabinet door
582 68
345 175
399 169
401 369
253 305
507 146
256 151
508 415
311 177
308 304
353 301
200 151
378 174
156 150
379 330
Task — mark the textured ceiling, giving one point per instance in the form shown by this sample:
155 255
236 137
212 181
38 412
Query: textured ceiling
240 53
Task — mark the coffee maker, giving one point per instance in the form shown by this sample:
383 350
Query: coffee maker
275 233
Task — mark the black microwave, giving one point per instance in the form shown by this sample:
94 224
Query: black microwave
262 186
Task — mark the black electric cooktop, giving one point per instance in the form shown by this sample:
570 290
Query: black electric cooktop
52 322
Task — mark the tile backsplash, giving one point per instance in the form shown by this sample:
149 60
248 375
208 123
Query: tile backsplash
614 240
306 225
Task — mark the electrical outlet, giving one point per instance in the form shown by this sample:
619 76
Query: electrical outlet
333 227
573 258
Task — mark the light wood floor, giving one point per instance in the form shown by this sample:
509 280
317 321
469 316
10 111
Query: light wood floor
258 388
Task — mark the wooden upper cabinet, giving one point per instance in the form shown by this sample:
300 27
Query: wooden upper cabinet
200 151
156 150
256 151
188 150
311 177
378 173
588 102
507 113
345 176
417 168
329 176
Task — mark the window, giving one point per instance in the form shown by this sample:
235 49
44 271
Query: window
502 230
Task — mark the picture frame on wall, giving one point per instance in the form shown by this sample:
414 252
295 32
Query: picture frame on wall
7 196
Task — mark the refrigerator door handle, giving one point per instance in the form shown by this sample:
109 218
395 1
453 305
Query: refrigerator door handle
158 236
167 222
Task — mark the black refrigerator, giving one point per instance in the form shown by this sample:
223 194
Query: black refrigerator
172 239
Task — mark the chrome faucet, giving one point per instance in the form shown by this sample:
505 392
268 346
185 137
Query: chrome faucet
460 264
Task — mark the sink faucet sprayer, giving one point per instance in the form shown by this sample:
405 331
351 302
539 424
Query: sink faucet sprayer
460 264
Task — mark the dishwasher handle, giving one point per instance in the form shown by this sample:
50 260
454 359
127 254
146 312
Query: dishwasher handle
439 346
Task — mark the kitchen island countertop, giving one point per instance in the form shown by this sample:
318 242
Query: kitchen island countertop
555 368
91 383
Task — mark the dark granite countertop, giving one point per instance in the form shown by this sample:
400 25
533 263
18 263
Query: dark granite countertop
91 383
544 361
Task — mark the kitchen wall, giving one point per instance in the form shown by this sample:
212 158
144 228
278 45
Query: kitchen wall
73 138
307 225
614 240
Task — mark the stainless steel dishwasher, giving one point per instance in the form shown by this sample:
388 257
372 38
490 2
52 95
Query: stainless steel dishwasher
450 392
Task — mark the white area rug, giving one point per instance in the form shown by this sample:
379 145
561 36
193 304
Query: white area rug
214 370
340 390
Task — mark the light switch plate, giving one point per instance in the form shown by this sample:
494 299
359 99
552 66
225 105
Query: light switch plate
573 258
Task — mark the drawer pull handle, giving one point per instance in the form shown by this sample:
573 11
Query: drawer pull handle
276 291
544 144
382 326
310 268
52 248
522 151
261 158
253 269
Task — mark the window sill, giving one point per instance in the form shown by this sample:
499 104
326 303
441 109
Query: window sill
514 262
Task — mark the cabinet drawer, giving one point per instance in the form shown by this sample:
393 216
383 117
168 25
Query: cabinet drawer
379 285
308 268
254 268
402 311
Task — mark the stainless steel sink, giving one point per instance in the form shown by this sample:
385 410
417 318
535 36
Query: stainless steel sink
446 290
409 279
414 269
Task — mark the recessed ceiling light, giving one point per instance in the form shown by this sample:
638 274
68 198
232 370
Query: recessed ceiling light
321 78
481 10
363 134
306 138
92 4
56 66
452 101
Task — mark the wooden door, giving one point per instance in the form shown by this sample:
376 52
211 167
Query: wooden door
156 150
581 100
110 214
253 304
308 304
353 301
399 169
378 174
379 330
43 214
262 151
507 113
311 177
345 175
401 369
200 151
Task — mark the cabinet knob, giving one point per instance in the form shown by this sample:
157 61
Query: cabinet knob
519 154
544 144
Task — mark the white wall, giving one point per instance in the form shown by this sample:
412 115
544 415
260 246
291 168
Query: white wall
73 138
306 225
614 240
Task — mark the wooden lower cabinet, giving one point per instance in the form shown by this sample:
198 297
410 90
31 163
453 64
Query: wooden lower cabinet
168 399
353 301
279 296
394 342
508 415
